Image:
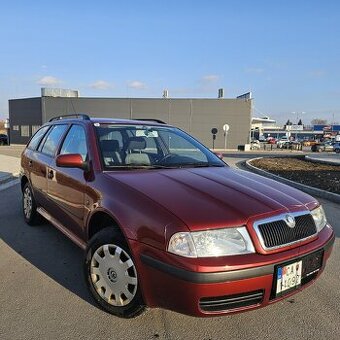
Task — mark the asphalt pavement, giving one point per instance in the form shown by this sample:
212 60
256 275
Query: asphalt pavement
43 294
330 158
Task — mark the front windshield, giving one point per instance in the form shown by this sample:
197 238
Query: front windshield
147 146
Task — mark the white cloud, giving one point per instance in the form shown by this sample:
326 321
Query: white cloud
101 85
211 78
48 81
137 85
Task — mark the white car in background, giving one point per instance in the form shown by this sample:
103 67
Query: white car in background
282 141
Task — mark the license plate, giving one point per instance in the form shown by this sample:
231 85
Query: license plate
288 277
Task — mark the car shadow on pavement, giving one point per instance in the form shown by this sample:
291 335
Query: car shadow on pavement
5 177
43 246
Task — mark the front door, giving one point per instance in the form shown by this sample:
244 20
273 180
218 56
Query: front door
67 186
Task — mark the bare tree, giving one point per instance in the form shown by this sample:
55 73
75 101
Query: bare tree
318 121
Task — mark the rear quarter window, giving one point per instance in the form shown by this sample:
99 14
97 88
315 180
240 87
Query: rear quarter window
37 137
51 142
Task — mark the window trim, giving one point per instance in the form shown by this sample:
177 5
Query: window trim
43 136
41 146
65 135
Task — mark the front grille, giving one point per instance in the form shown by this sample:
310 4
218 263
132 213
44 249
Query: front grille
277 233
225 303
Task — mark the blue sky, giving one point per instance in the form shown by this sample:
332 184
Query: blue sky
286 52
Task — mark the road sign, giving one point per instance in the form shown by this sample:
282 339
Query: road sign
226 127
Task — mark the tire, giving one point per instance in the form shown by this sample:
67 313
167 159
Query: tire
111 274
29 206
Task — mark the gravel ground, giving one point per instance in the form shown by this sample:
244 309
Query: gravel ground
322 176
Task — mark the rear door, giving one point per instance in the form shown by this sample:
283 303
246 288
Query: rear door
35 167
41 159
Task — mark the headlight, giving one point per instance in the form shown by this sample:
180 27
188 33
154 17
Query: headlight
209 243
319 218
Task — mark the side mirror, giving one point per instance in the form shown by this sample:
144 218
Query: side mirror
72 160
219 155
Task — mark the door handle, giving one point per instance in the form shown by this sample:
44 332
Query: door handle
50 174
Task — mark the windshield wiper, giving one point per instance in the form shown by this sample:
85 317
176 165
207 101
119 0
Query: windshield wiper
198 165
138 166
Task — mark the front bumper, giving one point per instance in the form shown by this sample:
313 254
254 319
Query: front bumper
204 293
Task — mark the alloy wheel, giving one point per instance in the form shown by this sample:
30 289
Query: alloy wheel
28 202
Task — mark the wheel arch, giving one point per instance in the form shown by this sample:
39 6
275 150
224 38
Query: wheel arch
100 220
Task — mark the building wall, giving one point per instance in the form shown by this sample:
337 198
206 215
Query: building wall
196 116
25 118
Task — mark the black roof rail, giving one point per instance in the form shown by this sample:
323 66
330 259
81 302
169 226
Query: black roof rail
77 115
150 120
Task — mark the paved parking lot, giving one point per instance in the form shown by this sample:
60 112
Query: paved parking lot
43 296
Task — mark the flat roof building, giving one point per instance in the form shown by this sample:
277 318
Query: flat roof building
196 116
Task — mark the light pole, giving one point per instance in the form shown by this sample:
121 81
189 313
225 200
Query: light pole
298 113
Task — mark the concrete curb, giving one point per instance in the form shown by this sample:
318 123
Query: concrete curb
310 190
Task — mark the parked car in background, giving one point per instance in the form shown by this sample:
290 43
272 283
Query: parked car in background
255 145
336 147
282 141
271 140
3 139
165 223
293 145
309 142
320 147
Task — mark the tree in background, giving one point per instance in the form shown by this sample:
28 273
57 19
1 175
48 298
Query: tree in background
318 121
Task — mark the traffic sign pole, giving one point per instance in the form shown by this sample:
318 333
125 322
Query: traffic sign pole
226 128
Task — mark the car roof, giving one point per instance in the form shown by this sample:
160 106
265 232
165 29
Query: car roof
125 121
128 121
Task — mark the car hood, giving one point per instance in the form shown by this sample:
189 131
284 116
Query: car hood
214 197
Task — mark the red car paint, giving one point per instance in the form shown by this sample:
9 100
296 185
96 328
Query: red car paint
150 206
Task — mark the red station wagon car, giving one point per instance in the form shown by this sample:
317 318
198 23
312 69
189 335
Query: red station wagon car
165 223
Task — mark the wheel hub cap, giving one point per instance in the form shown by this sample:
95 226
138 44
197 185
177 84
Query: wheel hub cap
114 275
27 203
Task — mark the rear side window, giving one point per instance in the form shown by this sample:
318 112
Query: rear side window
34 142
50 145
75 142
